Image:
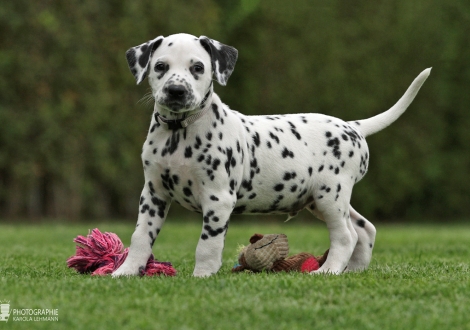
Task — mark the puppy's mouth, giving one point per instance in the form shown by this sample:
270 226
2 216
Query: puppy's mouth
171 105
176 106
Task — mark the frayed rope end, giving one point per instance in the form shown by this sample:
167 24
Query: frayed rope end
102 253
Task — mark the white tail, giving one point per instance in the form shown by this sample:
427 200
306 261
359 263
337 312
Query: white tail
377 123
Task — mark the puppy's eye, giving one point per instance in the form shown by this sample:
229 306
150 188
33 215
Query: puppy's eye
160 66
198 68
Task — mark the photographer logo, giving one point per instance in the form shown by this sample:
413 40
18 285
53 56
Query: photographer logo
27 314
4 310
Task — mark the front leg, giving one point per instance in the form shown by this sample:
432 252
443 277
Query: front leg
216 215
153 211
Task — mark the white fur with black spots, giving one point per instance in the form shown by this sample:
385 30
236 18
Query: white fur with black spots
218 162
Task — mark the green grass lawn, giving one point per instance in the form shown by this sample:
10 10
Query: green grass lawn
418 279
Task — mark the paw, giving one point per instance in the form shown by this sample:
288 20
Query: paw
323 272
126 269
326 271
202 273
356 267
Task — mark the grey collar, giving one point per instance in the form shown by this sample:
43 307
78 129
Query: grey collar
175 124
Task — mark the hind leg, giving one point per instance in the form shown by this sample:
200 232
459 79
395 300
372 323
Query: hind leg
362 254
333 209
365 230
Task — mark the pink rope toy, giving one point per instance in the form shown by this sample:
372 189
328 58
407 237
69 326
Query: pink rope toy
102 253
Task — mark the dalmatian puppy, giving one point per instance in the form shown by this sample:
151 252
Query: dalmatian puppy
216 161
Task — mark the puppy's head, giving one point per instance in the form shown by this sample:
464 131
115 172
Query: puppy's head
180 69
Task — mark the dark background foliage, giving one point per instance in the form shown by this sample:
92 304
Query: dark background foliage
72 126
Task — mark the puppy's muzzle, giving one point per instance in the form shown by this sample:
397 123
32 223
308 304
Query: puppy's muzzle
176 97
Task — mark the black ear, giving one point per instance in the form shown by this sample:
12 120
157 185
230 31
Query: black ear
138 58
223 58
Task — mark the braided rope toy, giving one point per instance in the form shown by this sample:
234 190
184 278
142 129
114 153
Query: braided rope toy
102 253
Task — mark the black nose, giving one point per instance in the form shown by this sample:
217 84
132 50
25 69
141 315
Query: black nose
176 91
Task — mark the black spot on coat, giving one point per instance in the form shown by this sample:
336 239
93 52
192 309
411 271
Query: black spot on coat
287 153
256 139
188 152
279 187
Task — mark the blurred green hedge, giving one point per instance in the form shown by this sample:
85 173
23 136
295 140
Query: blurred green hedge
72 127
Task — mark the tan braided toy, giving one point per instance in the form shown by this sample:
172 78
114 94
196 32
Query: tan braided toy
269 252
